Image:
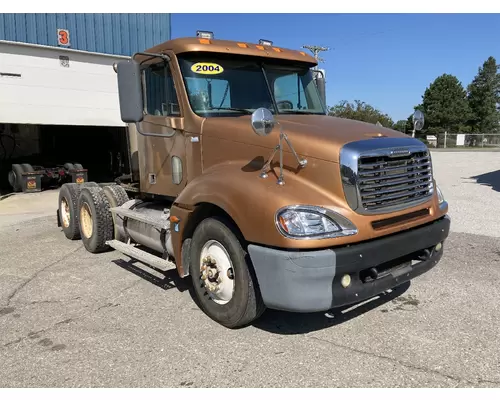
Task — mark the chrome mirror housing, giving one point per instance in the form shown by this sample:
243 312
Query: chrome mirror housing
263 121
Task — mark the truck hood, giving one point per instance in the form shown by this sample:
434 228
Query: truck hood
316 136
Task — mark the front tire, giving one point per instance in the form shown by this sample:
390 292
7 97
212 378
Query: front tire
223 281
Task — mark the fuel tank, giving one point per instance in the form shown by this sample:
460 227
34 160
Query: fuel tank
143 233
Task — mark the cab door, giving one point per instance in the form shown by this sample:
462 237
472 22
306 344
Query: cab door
162 155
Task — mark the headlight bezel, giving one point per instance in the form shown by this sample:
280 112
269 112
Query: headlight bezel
347 228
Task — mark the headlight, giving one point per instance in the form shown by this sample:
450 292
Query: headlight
312 222
440 195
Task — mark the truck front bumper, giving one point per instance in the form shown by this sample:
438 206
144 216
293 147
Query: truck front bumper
310 281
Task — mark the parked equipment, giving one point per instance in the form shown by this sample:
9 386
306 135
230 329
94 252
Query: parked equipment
28 178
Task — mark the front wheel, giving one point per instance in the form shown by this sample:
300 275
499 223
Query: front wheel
223 280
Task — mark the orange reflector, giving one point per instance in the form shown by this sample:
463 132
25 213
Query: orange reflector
244 45
282 223
204 41
276 49
260 47
174 219
302 53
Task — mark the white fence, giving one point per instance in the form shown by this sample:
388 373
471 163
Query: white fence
457 140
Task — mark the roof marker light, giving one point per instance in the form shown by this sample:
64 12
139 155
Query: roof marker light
205 34
260 47
244 45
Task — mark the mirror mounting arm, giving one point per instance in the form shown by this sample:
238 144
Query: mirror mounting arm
151 56
267 165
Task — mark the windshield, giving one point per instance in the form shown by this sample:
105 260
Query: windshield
219 85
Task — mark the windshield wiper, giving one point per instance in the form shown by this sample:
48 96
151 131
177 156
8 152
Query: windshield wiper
243 110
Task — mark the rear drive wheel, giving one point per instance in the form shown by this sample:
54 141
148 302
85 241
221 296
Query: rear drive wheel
96 223
117 196
223 281
69 166
68 210
78 166
89 184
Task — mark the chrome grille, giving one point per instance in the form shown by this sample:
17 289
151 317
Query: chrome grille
385 181
385 174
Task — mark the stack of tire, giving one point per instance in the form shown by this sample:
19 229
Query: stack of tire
16 178
16 175
84 213
70 166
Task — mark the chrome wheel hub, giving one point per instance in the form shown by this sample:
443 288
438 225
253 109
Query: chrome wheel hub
216 272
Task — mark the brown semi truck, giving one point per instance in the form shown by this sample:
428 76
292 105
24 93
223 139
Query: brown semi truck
240 180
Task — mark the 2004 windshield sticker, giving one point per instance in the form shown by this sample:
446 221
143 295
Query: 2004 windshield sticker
207 68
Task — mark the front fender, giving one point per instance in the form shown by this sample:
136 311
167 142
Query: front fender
252 201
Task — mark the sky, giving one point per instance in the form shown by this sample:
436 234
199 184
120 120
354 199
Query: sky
385 60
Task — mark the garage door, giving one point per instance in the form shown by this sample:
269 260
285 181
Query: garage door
51 86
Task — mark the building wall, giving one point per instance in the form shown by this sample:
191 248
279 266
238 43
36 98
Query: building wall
122 34
52 86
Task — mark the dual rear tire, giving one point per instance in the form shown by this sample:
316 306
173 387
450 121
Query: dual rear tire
84 213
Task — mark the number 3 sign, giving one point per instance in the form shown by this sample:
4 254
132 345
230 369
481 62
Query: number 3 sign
63 37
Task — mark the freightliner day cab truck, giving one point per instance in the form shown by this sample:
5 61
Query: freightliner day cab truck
241 182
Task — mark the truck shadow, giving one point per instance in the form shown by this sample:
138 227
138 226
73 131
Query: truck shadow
169 279
491 179
286 323
278 322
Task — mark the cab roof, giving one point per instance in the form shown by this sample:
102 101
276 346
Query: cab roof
195 44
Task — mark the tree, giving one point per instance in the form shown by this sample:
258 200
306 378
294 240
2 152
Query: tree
484 97
401 125
409 122
445 105
360 111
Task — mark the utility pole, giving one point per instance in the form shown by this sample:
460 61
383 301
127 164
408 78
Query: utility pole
320 82
315 50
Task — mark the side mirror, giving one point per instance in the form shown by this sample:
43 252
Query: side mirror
418 120
320 81
130 91
263 121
